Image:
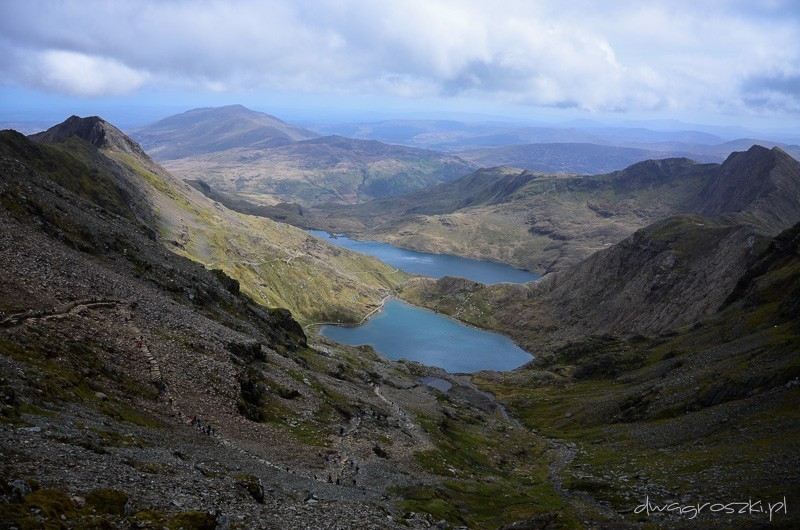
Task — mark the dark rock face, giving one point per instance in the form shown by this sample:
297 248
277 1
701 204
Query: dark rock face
764 183
94 130
667 275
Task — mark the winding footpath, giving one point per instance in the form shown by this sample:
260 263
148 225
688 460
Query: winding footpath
366 317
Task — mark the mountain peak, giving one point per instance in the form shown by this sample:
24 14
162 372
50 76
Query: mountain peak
213 129
761 181
92 129
650 173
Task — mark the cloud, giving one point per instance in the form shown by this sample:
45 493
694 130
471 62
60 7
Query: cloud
613 55
780 91
81 75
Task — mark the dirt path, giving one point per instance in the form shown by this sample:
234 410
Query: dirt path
366 317
16 319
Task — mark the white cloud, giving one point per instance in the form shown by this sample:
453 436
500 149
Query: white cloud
82 75
613 55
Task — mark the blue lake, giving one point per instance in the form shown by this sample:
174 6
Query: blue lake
403 331
433 265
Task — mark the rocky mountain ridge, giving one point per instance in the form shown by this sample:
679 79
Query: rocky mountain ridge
548 222
275 264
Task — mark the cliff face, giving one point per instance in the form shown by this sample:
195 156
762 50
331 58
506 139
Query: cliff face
761 182
665 276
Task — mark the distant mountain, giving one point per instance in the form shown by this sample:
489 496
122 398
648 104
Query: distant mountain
328 169
545 222
660 139
209 130
454 136
584 158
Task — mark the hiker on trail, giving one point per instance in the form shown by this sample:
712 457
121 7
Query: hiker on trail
330 479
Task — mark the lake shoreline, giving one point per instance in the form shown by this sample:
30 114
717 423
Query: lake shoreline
432 265
505 354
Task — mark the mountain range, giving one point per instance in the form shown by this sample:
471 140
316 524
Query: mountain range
669 139
238 150
665 363
545 222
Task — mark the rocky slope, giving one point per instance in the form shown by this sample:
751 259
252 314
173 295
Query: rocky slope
701 414
110 342
765 183
666 365
665 276
276 264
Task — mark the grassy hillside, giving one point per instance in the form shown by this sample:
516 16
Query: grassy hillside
328 169
704 414
533 221
662 371
276 264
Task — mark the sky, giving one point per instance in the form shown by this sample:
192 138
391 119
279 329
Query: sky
731 62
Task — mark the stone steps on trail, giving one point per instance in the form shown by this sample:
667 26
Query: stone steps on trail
152 362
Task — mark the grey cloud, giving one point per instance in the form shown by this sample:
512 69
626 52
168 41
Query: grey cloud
538 53
486 77
785 84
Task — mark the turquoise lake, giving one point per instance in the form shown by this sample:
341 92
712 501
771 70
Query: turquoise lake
403 331
433 265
